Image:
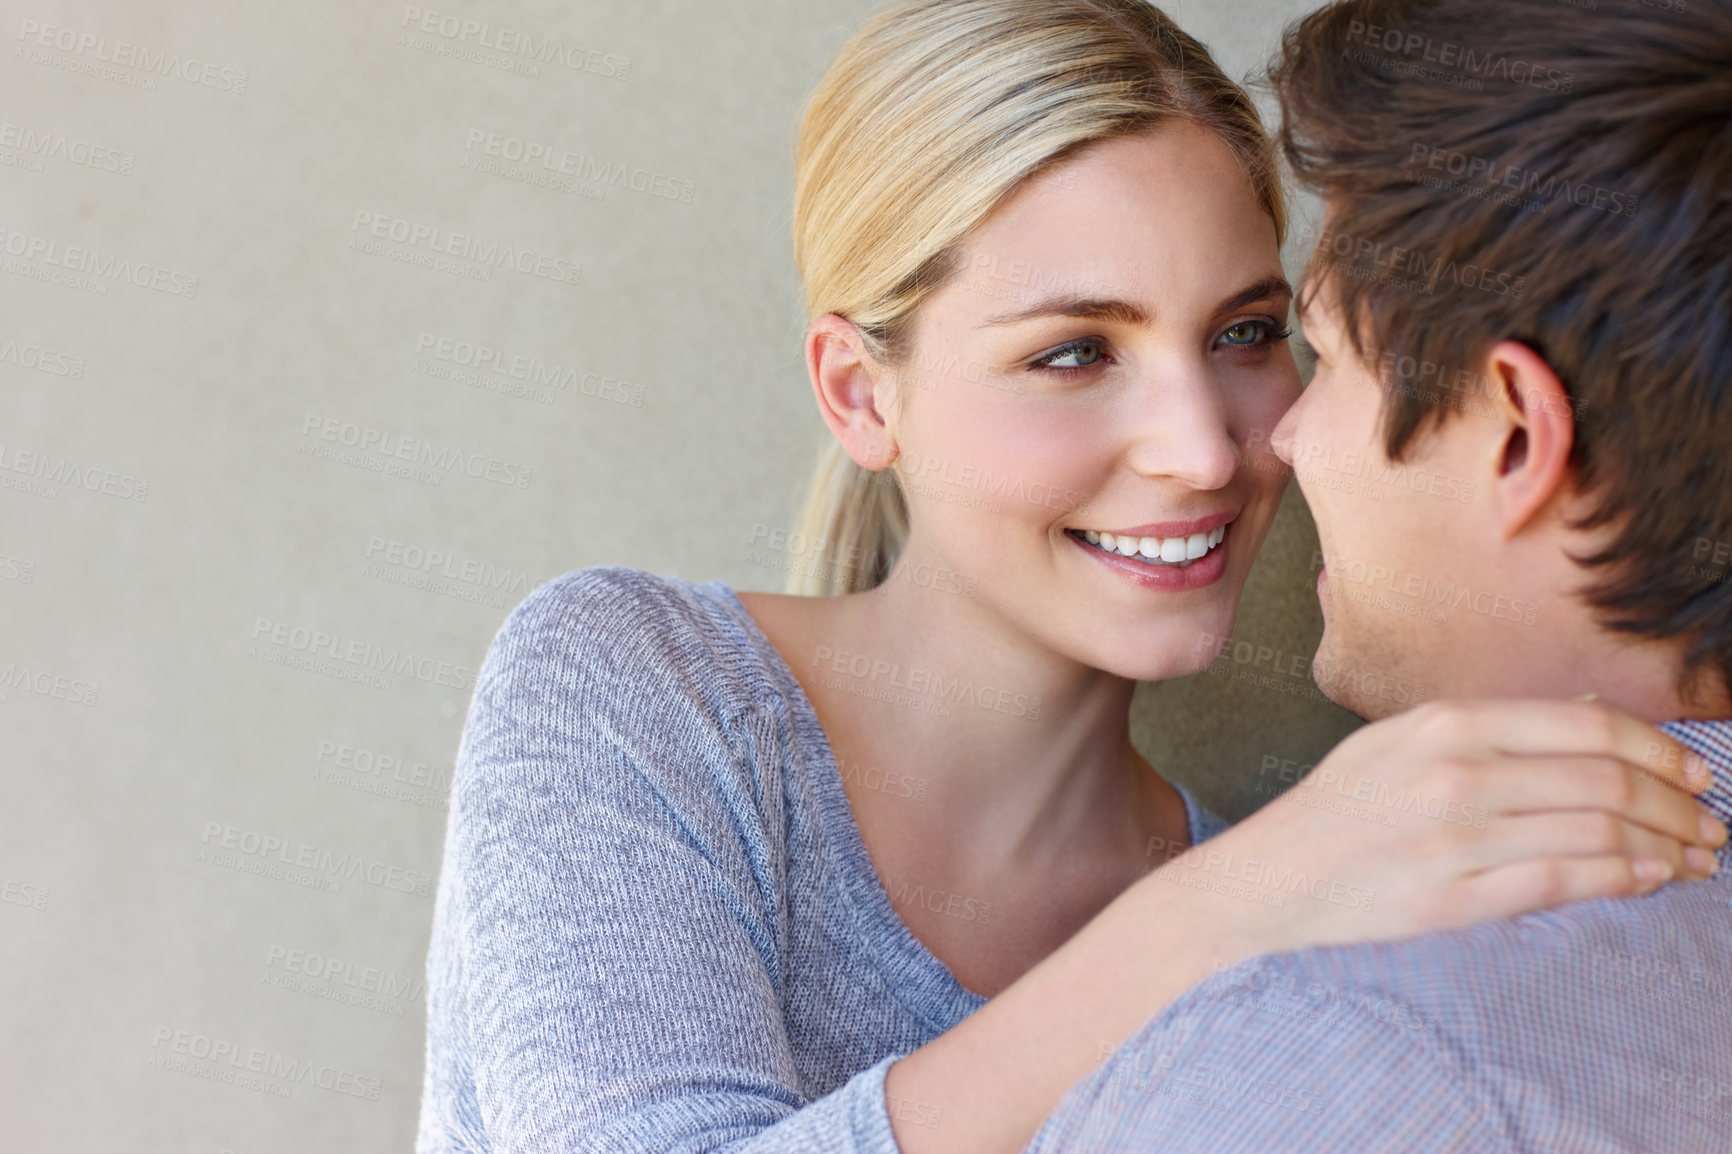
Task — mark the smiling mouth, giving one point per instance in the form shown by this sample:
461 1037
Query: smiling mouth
1177 552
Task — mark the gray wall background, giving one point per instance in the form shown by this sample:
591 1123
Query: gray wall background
216 859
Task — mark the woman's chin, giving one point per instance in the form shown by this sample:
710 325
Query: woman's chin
1182 649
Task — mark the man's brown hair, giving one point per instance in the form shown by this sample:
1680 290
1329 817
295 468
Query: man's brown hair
1559 176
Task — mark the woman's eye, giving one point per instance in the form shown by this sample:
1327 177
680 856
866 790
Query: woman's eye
1081 355
1246 334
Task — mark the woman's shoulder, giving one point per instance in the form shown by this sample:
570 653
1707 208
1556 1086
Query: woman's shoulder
631 636
608 597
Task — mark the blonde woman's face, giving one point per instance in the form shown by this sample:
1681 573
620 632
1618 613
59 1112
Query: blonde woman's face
1110 361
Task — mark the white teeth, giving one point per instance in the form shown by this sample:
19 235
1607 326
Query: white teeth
1180 551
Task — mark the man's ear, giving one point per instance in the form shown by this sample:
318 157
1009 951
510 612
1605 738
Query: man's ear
1537 431
848 383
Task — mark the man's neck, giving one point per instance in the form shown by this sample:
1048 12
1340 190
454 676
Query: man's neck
1577 656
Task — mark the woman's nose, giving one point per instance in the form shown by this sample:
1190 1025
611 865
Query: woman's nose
1186 435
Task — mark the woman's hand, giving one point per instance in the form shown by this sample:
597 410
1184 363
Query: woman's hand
1461 812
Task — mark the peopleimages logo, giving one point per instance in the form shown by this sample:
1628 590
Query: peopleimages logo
256 1067
343 973
1365 258
1425 587
514 42
104 267
532 371
1447 54
39 145
1312 459
417 450
1525 181
425 244
921 684
954 905
48 472
301 639
580 166
89 46
41 360
44 683
223 845
24 894
1266 880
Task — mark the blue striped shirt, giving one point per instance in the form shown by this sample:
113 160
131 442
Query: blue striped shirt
1602 1026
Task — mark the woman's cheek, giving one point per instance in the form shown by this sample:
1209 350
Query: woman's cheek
1262 413
1281 389
1049 450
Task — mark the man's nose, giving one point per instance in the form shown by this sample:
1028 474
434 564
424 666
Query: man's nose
1282 439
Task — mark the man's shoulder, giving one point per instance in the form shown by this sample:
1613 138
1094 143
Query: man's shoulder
1644 957
1598 1025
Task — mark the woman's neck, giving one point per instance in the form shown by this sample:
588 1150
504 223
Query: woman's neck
1023 752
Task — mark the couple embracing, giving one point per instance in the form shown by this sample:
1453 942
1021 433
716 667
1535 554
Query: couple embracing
665 918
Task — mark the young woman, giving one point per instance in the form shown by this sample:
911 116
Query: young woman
882 871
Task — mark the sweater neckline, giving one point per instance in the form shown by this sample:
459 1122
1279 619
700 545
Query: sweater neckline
919 980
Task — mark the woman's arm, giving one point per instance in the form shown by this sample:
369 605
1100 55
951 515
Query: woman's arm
1500 809
607 971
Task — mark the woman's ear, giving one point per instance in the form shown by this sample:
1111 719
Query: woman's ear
1536 435
850 386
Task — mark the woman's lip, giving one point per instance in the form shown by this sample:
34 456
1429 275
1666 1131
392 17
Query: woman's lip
1164 529
1199 574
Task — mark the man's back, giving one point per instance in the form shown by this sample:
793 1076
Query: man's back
1599 1026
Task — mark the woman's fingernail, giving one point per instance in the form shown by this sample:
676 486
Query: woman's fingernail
1700 860
1713 831
1696 766
1653 870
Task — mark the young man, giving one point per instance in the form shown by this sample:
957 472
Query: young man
1518 449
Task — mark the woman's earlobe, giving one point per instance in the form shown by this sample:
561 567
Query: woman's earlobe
879 458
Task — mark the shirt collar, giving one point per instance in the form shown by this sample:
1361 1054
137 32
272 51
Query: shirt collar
1713 740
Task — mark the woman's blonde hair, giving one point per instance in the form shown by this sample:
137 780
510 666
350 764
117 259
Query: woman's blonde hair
931 116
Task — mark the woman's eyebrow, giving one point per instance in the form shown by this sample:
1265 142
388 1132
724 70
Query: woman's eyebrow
1269 288
1129 313
1085 308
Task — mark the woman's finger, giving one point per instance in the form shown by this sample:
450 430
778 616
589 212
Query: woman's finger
1544 784
1578 833
1543 726
1537 884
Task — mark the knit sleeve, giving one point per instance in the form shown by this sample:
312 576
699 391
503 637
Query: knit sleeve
606 963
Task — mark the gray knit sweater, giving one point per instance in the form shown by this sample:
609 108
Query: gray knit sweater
657 927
